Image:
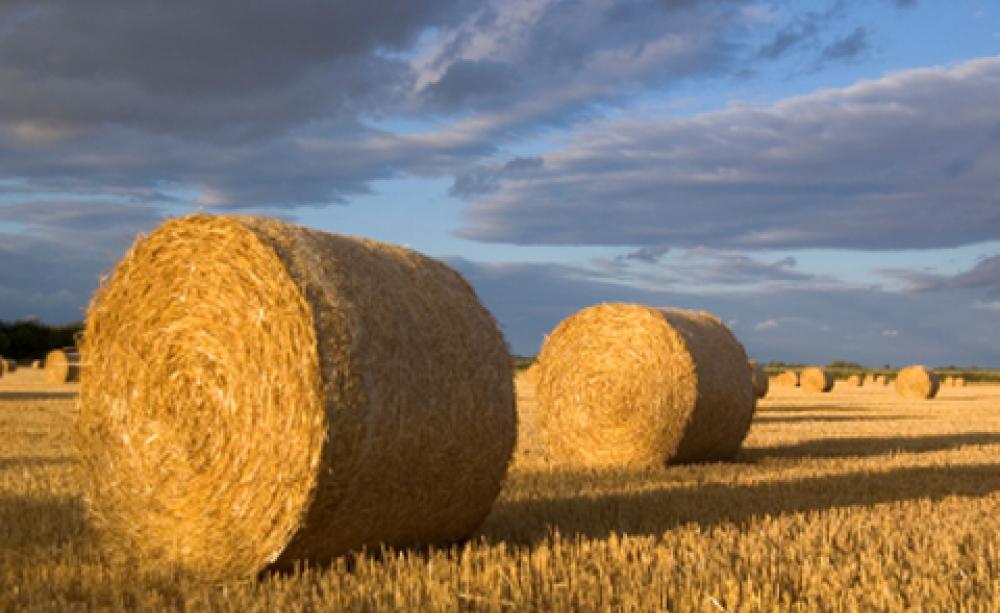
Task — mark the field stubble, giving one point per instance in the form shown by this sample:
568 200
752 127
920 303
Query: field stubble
852 500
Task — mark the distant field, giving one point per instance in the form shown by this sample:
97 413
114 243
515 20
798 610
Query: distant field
854 499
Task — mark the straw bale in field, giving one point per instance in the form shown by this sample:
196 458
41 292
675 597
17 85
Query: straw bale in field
7 366
788 378
258 392
870 379
759 379
854 381
959 382
62 366
36 364
630 385
917 382
948 381
816 379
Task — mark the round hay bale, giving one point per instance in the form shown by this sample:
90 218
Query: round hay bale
36 364
870 379
816 379
631 385
759 379
62 366
788 378
854 381
959 382
949 381
7 367
917 381
258 392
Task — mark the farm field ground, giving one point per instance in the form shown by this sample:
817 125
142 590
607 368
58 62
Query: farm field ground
852 500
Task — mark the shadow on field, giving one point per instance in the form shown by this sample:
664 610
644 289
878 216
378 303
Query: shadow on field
655 511
868 446
30 523
27 395
805 419
34 462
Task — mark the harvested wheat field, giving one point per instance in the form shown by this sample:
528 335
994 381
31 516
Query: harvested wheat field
856 499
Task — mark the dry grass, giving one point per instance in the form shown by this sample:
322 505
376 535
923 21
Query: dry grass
851 500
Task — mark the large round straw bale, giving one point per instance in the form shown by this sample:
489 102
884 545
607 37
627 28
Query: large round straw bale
62 366
917 382
854 381
630 385
816 379
788 378
258 392
759 379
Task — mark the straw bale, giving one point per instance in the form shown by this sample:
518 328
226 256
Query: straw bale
870 379
948 381
816 379
917 381
759 379
959 382
7 366
788 378
630 385
258 392
36 364
854 381
62 366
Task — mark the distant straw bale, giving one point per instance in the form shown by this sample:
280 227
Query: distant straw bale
630 385
788 378
816 379
257 392
917 382
871 379
854 381
949 381
7 366
959 382
36 364
62 366
759 379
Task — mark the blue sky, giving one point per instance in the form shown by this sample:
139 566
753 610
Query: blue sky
823 175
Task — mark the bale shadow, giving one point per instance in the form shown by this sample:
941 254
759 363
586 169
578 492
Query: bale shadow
28 395
653 512
33 462
868 446
28 524
799 419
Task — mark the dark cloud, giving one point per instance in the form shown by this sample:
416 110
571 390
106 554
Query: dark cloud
53 262
849 168
801 30
866 325
985 275
485 179
649 255
847 48
730 268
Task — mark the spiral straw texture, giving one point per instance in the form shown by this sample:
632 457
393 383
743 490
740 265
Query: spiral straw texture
62 366
917 381
257 392
759 380
630 385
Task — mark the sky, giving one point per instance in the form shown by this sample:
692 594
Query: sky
822 175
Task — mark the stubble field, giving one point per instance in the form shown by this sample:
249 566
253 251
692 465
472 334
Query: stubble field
852 500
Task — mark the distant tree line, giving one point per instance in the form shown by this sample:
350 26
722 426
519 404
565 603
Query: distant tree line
29 339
